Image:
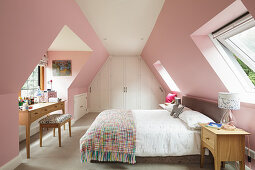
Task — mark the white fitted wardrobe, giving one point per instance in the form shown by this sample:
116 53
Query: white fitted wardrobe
124 83
80 105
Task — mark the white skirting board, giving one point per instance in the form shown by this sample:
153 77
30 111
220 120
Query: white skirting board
12 164
233 165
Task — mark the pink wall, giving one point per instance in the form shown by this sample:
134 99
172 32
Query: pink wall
171 43
62 83
27 30
9 132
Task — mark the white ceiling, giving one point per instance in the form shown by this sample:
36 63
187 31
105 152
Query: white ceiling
67 40
124 26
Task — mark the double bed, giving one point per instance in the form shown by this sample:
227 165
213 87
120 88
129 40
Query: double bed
120 136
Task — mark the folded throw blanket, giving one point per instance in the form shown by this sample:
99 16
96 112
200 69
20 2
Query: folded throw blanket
111 137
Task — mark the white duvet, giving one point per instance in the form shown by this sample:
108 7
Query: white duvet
159 134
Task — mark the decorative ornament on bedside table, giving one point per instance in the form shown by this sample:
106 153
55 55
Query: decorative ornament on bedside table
229 101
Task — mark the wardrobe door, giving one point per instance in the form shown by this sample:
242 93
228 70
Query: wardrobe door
94 95
132 82
116 83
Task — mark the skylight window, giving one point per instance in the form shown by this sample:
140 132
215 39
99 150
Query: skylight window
166 77
238 41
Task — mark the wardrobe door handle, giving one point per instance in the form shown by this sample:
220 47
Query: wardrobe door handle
126 89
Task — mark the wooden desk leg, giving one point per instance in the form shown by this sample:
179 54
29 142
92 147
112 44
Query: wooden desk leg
217 164
53 132
41 132
59 135
69 122
202 156
63 111
28 140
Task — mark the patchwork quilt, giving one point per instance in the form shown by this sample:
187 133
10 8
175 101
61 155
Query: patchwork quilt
111 137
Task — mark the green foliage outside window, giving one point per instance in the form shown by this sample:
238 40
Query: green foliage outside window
250 73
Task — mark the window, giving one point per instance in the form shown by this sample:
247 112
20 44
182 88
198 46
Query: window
238 41
166 77
32 83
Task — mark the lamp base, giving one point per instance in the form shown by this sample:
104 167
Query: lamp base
228 118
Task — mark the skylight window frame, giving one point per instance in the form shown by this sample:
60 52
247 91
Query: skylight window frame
166 77
220 38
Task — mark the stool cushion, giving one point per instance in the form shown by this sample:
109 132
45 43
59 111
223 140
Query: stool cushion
55 118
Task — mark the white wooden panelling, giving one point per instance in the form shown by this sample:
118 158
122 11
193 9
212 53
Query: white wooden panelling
80 106
12 164
107 89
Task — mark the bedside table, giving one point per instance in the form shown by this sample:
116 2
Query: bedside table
163 106
224 145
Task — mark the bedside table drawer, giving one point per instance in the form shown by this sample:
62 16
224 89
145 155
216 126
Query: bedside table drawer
208 138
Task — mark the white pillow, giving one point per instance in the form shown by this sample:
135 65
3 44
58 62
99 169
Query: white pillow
193 118
169 107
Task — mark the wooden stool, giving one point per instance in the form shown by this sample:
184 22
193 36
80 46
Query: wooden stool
55 121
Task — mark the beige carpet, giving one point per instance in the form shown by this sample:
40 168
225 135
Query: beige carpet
67 157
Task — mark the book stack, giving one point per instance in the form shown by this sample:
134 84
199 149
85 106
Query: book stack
214 125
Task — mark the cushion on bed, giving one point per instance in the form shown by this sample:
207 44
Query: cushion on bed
176 108
178 111
55 118
193 118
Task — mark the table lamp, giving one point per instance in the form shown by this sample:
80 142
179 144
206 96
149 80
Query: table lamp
229 101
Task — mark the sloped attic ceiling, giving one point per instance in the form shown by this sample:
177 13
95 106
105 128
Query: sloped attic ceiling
170 42
67 40
123 26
